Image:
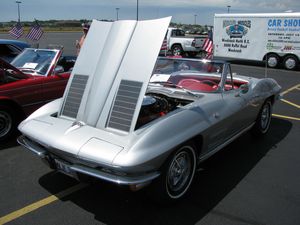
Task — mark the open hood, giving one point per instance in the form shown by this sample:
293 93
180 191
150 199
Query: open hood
13 71
111 74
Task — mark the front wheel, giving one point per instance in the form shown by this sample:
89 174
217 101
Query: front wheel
8 122
177 175
272 60
263 120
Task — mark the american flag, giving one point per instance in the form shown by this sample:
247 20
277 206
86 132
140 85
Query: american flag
209 55
35 32
164 45
208 43
17 30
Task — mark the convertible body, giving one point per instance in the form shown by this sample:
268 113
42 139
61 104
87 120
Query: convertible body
115 125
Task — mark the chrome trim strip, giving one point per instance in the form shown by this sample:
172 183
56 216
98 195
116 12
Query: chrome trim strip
118 179
115 178
22 140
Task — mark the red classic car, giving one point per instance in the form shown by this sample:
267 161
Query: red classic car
32 79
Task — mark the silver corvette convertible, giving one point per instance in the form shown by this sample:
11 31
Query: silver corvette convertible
115 125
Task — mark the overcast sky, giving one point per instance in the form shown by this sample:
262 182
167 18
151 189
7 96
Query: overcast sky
182 11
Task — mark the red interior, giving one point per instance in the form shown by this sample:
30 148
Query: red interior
197 85
207 84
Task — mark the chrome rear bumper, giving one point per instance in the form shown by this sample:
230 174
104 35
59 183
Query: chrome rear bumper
75 168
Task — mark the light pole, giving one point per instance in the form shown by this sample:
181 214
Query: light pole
137 9
228 8
18 2
117 9
195 21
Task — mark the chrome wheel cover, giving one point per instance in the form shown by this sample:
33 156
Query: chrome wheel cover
290 63
180 173
272 61
5 123
265 117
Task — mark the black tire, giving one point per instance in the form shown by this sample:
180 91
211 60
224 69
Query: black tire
290 62
263 120
177 175
176 50
272 60
8 122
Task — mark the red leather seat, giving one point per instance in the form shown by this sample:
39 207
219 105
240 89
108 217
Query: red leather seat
196 85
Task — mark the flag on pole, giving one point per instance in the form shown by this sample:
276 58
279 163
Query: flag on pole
164 45
17 30
208 43
35 32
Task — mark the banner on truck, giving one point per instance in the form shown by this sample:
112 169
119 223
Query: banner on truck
253 37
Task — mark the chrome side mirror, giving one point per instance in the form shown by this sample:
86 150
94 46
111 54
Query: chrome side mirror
58 69
243 89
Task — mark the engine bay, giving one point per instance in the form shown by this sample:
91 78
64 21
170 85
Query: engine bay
157 105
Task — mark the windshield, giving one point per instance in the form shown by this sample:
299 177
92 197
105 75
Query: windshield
193 75
35 61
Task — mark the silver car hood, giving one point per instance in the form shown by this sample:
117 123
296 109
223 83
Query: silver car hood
103 97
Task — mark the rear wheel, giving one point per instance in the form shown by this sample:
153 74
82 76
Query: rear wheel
176 50
263 121
8 122
290 62
272 60
177 175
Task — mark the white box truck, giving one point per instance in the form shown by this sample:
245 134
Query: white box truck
274 37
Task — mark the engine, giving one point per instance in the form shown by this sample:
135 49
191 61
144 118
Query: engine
155 106
152 108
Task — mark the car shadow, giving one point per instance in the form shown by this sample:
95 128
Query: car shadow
221 173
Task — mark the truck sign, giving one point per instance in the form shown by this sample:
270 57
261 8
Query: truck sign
271 37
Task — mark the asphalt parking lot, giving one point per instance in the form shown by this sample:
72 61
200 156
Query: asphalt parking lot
251 181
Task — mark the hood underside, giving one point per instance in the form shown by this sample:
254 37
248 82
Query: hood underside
111 74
